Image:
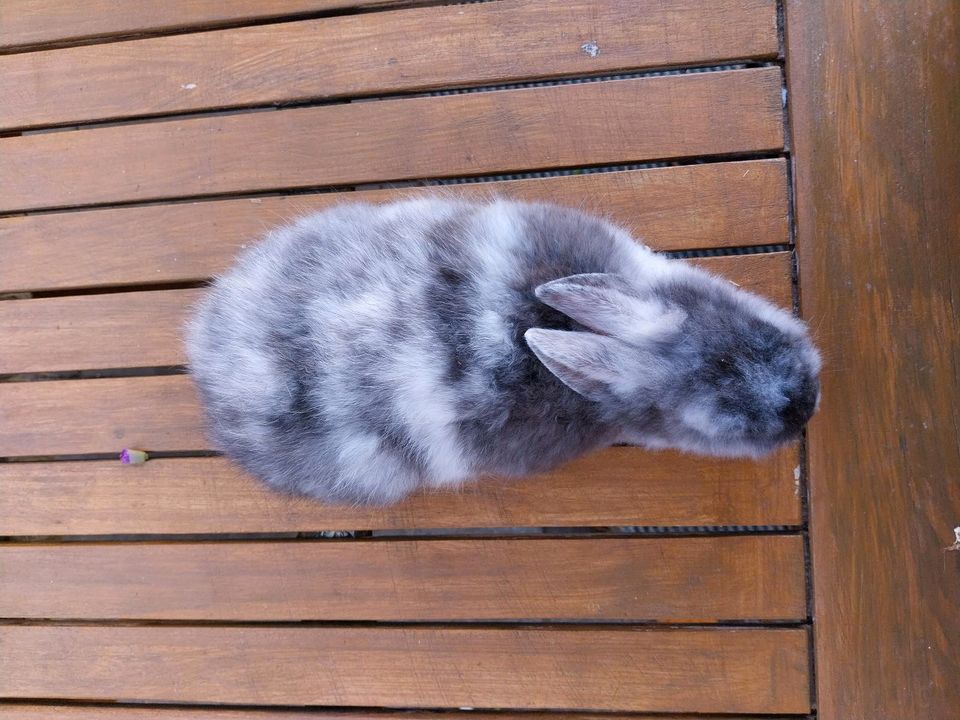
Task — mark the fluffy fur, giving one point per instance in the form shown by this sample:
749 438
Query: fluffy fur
366 351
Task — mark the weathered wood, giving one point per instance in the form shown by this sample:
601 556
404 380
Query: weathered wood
375 54
25 23
875 102
691 670
105 415
142 329
112 712
684 579
766 274
476 133
138 329
672 208
619 486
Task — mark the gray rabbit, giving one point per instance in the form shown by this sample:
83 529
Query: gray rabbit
367 351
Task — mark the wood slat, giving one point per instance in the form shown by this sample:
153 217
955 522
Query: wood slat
83 416
469 134
138 329
691 670
38 22
619 486
875 98
375 54
690 579
672 208
27 711
141 329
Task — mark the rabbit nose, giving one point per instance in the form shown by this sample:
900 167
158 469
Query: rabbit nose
800 405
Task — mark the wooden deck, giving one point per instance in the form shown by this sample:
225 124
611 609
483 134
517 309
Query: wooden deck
142 144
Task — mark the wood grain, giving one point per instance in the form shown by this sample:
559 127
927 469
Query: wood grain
104 415
141 329
38 22
766 274
672 208
619 486
138 329
375 54
471 134
692 670
684 579
875 98
113 712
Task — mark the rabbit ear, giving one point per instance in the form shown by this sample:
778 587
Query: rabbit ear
608 304
585 362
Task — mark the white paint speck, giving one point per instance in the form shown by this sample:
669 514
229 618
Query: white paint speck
796 473
783 97
591 48
189 86
956 542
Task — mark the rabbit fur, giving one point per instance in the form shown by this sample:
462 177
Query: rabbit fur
366 351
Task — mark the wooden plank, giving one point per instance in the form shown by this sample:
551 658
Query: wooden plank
409 138
609 579
376 54
672 208
875 105
138 329
691 670
37 22
142 329
114 712
766 274
83 416
619 486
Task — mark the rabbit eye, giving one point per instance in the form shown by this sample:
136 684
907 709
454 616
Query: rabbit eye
723 363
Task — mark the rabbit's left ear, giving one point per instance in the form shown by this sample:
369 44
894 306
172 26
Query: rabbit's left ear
608 304
589 364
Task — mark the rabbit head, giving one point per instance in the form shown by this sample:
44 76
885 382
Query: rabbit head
686 361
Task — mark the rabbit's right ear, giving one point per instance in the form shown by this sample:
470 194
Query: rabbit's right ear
587 363
608 304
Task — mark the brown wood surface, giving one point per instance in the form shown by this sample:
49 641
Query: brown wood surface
681 579
104 415
486 132
37 22
141 329
91 621
876 95
690 670
26 711
619 486
672 208
137 329
375 54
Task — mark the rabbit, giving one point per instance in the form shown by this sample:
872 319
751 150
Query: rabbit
367 351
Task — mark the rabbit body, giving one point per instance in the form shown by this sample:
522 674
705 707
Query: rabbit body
369 350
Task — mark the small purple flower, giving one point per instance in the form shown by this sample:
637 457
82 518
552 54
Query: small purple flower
133 457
